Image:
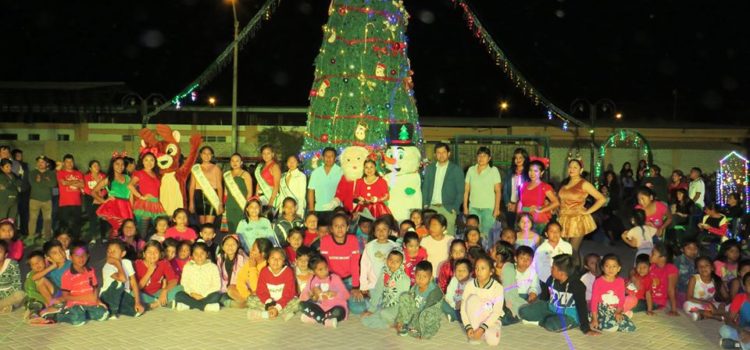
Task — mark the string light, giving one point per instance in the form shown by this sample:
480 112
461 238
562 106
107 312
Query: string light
733 178
625 138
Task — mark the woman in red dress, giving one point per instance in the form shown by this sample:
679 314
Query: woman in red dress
144 186
371 192
533 195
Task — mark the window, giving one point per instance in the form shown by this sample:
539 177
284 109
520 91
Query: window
8 136
127 137
33 137
216 139
63 137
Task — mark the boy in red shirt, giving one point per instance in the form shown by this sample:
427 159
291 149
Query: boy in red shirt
79 288
342 252
70 182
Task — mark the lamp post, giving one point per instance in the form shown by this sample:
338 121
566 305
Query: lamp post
235 131
605 105
133 98
502 107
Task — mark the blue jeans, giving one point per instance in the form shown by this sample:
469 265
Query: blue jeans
728 332
486 222
147 299
453 313
355 307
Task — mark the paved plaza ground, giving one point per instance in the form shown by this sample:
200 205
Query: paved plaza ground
229 329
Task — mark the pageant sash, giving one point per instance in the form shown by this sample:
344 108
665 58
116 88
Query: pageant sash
208 191
234 190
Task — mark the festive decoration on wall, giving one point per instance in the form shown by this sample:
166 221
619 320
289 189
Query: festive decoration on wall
501 59
733 178
224 58
622 138
362 78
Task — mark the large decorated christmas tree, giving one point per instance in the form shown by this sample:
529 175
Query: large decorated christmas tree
362 78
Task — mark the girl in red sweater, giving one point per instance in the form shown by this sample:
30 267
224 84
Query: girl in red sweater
457 251
276 295
413 254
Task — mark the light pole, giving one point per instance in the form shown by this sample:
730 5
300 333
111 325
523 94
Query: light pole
502 107
133 98
581 105
235 131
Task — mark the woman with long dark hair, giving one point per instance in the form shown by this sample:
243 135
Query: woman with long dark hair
144 185
574 217
513 180
118 205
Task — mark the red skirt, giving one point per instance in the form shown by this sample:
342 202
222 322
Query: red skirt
148 208
115 212
376 209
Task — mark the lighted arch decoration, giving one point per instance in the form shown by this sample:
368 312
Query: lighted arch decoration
625 138
733 178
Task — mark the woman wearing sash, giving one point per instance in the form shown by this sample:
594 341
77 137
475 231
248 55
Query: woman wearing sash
206 189
146 205
268 177
294 184
239 184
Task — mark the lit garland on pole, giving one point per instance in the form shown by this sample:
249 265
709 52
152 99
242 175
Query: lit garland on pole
622 138
733 178
224 58
362 82
501 59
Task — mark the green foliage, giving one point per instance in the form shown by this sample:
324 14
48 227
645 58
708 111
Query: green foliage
284 142
362 77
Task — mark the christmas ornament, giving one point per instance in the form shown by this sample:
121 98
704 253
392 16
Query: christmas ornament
333 61
322 89
324 137
361 131
332 37
380 70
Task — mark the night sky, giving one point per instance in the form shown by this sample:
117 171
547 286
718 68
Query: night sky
641 54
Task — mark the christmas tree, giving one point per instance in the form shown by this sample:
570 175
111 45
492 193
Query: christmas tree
362 78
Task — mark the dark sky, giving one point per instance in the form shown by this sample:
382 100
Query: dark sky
638 53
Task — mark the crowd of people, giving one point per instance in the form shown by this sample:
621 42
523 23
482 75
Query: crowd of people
487 249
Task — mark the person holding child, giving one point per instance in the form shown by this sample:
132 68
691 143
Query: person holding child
324 299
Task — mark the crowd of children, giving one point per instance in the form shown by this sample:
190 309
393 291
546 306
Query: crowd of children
408 276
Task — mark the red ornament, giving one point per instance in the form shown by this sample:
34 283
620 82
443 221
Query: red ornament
393 72
324 137
313 93
342 11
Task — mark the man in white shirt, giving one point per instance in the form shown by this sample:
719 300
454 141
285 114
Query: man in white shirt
697 189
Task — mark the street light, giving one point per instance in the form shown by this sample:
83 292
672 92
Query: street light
605 105
618 116
503 107
235 131
212 101
132 99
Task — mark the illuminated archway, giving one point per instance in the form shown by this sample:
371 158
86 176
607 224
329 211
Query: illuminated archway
622 138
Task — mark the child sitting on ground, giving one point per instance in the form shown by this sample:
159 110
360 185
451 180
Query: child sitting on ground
418 219
39 292
685 264
404 227
161 224
591 263
276 295
527 281
413 254
128 234
639 287
311 229
473 237
391 283
735 334
454 293
641 236
457 251
736 287
247 278
608 299
11 294
509 235
725 264
207 235
550 248
54 253
65 239
201 283
472 221
505 273
343 255
9 235
157 281
525 235
324 299
255 226
437 243
120 290
287 220
482 306
230 260
183 253
663 281
564 307
181 231
294 241
79 290
374 255
703 291
302 271
419 309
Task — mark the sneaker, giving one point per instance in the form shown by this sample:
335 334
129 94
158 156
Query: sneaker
113 318
212 307
181 307
628 313
695 316
288 316
254 315
78 324
138 314
92 242
726 343
450 318
475 342
173 305
532 323
105 316
331 323
307 319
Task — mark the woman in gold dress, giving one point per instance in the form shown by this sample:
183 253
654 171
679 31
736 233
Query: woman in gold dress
574 217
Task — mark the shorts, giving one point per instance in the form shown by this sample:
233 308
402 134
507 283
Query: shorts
202 206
